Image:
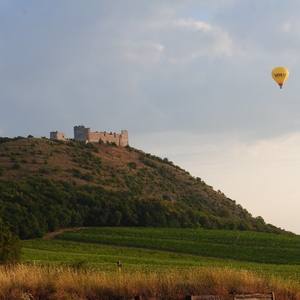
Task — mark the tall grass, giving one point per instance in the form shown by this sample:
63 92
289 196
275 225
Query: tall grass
29 282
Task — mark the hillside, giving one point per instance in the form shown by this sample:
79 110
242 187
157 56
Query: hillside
45 185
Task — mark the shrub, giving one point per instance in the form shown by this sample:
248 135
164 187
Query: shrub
10 247
87 177
76 173
92 146
12 158
84 176
44 170
132 165
16 166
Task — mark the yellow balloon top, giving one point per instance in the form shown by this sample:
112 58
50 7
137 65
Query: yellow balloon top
280 75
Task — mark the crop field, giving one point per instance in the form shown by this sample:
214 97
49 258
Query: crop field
155 249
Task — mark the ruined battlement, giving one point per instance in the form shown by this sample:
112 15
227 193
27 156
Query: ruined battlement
56 135
84 134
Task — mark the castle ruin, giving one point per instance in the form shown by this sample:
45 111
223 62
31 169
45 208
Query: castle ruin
84 134
56 135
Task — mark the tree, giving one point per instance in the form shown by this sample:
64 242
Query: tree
10 247
115 218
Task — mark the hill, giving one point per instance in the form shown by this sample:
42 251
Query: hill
46 185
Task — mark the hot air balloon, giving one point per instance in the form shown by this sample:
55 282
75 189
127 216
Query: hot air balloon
280 75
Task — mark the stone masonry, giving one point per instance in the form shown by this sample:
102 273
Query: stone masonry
56 135
84 134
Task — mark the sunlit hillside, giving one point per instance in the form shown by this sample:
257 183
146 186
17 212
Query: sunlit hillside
46 185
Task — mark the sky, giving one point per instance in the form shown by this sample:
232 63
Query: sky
190 80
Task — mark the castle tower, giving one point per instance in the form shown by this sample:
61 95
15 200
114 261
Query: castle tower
124 138
56 135
81 133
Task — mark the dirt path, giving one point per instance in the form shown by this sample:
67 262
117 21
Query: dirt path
52 235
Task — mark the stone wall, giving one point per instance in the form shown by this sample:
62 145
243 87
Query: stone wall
56 135
124 141
84 134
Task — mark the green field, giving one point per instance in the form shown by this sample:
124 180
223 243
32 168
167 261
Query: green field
163 248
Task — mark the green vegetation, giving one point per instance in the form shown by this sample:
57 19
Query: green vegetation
10 246
244 246
158 249
50 185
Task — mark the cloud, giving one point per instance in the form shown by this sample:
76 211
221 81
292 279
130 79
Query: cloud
142 52
192 24
203 67
188 39
201 39
286 27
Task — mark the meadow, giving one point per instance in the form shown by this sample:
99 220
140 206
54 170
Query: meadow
162 262
160 249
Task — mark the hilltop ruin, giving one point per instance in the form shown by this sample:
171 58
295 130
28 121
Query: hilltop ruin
84 134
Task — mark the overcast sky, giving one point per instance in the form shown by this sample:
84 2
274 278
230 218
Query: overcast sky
190 80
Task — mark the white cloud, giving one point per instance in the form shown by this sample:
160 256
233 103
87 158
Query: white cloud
192 24
195 33
286 27
188 39
143 52
177 41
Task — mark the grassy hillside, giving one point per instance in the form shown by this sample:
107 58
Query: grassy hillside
161 249
45 185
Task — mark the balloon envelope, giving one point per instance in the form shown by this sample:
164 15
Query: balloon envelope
280 75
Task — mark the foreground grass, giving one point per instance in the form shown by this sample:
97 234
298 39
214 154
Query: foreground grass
37 282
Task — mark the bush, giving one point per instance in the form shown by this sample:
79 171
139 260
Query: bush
44 170
92 146
132 165
16 166
4 140
84 176
10 247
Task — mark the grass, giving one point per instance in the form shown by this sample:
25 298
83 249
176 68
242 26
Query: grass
158 249
35 282
244 246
